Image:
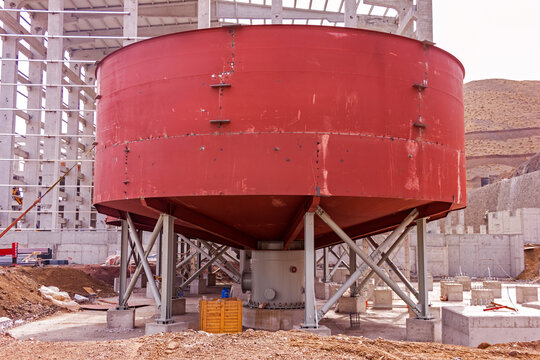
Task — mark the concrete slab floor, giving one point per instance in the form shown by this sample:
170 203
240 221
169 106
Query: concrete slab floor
91 325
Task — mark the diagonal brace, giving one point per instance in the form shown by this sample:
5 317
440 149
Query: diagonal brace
368 260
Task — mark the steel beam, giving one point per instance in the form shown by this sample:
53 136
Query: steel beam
124 239
368 260
310 318
422 268
326 268
168 270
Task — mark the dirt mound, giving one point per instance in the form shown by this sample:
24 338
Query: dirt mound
19 296
258 345
529 166
502 126
532 264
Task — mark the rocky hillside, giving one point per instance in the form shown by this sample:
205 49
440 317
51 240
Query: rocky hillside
502 127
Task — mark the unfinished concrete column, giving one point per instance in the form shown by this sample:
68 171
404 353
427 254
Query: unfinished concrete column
87 167
53 115
424 23
130 21
70 204
277 11
203 14
350 18
33 127
7 122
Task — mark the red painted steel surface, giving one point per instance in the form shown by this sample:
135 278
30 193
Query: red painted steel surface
313 111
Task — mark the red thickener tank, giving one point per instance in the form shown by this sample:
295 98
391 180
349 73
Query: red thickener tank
237 131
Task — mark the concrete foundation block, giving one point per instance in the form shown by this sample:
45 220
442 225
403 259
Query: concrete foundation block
481 296
526 294
430 282
494 285
155 328
424 330
470 325
210 279
382 299
325 291
465 281
197 287
178 306
121 319
532 305
321 330
351 305
452 291
272 319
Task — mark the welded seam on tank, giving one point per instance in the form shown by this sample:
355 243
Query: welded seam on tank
391 138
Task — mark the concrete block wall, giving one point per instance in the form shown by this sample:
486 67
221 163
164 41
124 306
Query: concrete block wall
79 247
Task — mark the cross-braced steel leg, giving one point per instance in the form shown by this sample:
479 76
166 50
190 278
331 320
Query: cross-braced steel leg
390 263
369 261
352 269
196 274
144 258
326 268
310 318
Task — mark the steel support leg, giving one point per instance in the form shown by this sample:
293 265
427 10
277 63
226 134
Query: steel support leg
368 260
352 269
326 269
138 270
310 319
124 244
144 260
422 268
168 270
202 268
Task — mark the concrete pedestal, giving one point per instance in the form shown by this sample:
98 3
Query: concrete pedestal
155 328
178 306
197 287
321 330
452 291
351 305
525 294
494 285
481 296
424 330
325 291
138 283
471 326
121 319
382 299
465 281
272 320
430 282
210 279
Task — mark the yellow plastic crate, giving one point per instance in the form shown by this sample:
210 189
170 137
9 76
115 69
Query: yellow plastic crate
220 315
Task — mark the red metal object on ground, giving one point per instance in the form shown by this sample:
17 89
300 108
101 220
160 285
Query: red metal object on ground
13 251
237 131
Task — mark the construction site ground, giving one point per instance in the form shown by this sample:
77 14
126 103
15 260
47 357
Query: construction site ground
73 335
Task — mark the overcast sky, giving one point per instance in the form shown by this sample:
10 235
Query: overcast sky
492 38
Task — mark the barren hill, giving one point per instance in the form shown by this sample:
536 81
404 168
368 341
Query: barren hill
502 126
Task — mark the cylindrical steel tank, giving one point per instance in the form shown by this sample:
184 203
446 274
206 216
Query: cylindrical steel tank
237 130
